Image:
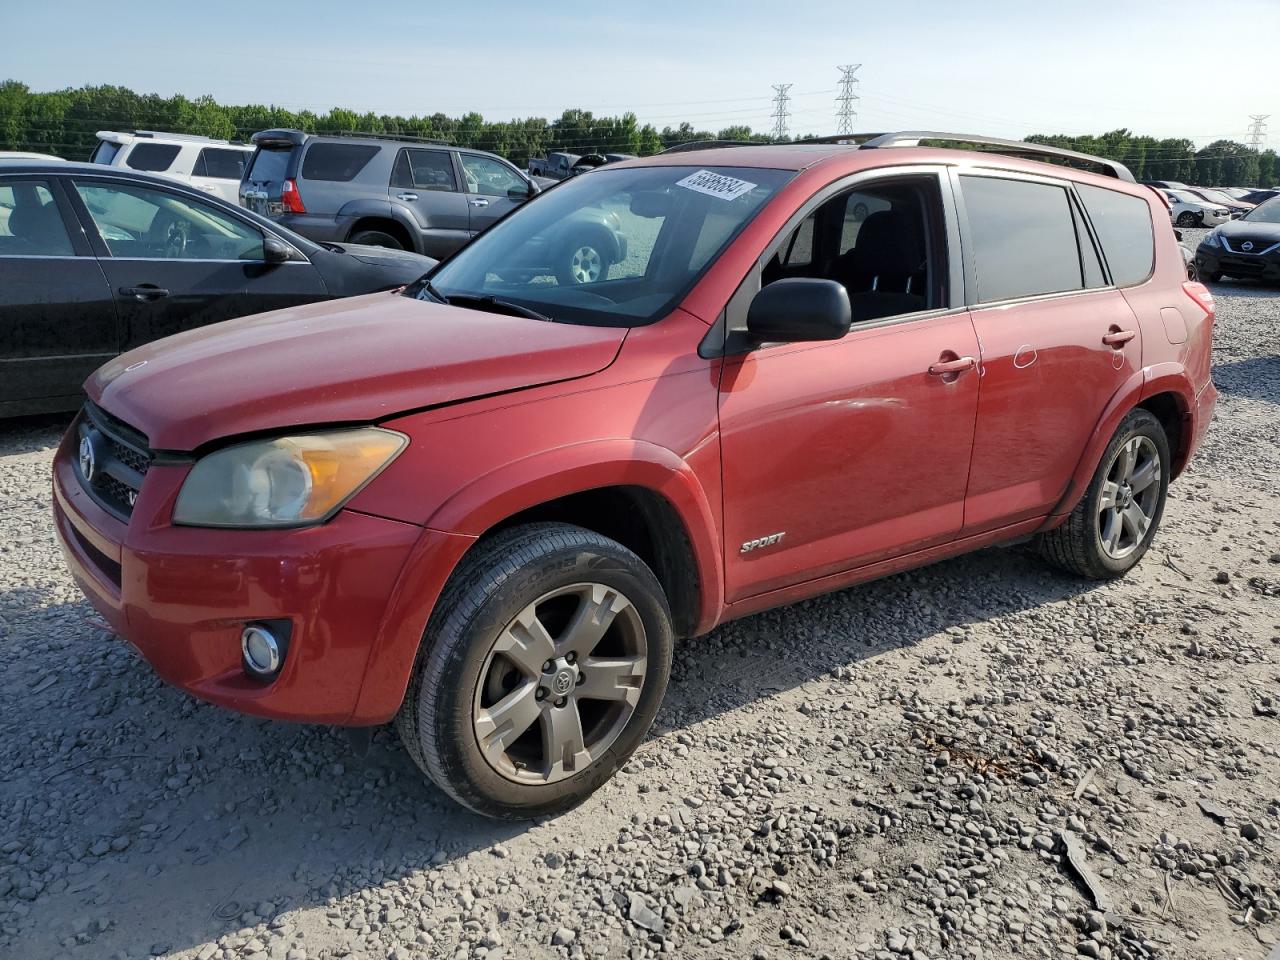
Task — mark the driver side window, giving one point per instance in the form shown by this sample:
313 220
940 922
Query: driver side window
488 177
140 222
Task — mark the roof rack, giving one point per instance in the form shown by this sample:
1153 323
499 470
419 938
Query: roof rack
912 138
1012 148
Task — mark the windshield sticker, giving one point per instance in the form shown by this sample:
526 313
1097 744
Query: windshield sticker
716 185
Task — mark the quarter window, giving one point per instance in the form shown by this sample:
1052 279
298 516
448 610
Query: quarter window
139 222
30 225
338 162
1024 238
1123 226
424 170
156 157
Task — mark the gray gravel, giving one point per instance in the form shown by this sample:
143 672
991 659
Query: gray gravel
979 759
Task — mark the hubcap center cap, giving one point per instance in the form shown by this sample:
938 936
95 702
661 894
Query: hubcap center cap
563 680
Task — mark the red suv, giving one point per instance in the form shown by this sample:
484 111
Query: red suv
486 505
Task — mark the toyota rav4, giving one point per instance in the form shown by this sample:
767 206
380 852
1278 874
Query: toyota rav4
485 506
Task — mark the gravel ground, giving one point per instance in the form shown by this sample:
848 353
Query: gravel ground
979 759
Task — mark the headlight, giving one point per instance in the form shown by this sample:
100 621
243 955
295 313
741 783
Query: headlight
285 482
1211 240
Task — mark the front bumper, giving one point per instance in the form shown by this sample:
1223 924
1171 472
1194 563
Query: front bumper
1211 260
182 595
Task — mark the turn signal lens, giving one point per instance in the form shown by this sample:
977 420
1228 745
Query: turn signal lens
286 482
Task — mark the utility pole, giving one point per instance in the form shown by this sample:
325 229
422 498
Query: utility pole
780 111
1257 129
846 113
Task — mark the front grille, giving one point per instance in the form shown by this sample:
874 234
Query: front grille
1260 244
111 461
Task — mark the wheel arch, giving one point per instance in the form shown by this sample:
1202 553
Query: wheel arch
1166 391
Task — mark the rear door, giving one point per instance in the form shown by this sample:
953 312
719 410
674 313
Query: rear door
219 170
426 182
175 262
1058 341
271 165
489 187
57 318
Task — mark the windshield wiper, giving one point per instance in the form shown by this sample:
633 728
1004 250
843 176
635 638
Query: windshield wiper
429 289
497 305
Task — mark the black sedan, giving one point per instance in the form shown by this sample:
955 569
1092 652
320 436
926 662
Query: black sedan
1244 248
96 260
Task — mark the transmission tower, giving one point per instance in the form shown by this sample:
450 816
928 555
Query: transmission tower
846 113
780 111
1258 129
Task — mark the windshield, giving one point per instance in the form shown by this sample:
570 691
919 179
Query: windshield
614 247
1184 197
1216 196
1268 212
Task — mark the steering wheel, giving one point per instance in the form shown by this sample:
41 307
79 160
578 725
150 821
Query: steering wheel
177 234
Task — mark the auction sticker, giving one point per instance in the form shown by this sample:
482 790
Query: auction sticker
716 185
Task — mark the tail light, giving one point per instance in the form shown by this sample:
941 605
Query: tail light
1200 294
290 199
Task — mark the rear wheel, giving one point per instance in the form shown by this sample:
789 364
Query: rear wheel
1115 521
540 673
582 261
376 238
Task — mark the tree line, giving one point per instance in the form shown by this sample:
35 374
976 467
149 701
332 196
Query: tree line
64 123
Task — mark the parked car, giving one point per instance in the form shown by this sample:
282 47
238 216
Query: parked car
1165 184
412 195
1248 248
1237 208
1257 197
214 166
97 260
560 166
1236 193
20 155
488 514
1189 210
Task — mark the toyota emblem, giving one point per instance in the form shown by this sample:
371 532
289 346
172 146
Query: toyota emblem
1247 246
88 460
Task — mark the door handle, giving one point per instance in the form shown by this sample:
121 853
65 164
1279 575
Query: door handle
478 202
1118 338
944 367
406 196
144 292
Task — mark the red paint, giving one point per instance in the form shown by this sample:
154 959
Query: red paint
867 461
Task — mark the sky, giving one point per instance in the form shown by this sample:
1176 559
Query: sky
998 67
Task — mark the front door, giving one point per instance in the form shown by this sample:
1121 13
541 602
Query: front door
489 186
1057 343
840 454
173 262
57 318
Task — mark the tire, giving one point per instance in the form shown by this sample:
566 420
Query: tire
1187 219
376 238
478 676
1087 544
1193 271
580 262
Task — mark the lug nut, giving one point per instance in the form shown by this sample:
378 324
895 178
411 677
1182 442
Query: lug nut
562 701
540 693
570 657
582 678
548 666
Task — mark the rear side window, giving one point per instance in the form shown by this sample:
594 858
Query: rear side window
156 157
270 165
424 170
104 152
336 161
30 225
1024 238
221 164
1123 226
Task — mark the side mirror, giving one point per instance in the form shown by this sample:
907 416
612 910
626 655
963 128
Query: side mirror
520 192
799 309
275 250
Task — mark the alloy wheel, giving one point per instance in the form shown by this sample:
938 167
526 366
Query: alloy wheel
586 265
560 684
1129 497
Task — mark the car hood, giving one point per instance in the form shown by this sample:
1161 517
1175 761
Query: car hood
1255 230
387 256
342 361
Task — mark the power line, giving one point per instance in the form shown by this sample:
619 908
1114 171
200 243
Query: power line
846 115
780 111
1257 129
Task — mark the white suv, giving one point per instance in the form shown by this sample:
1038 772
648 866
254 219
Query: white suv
214 166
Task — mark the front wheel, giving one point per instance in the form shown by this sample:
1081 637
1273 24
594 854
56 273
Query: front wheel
376 238
540 673
1115 521
582 261
1187 219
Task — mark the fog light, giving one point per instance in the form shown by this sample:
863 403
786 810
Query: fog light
261 651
